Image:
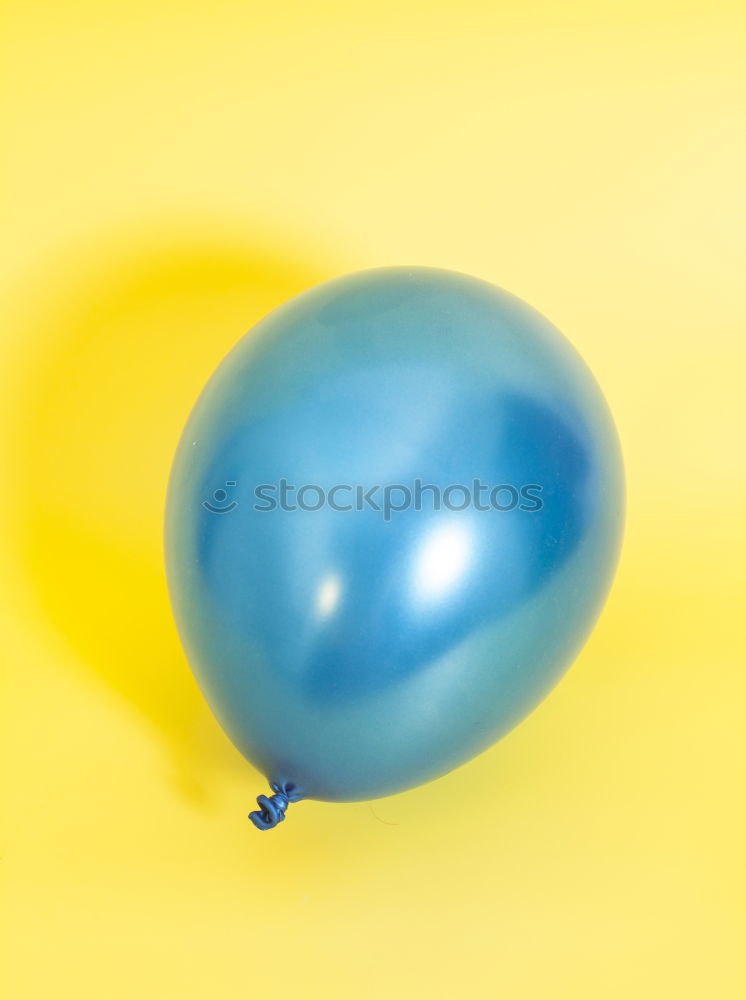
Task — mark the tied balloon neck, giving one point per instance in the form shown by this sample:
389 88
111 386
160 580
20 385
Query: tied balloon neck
272 808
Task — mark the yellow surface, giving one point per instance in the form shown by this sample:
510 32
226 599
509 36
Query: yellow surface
171 172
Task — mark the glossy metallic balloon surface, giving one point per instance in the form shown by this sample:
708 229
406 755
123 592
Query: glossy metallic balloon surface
352 654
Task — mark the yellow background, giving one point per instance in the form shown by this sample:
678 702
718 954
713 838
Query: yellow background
172 171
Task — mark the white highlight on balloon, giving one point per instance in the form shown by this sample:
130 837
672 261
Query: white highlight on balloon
443 559
328 595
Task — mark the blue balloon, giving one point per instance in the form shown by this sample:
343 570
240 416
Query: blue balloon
393 518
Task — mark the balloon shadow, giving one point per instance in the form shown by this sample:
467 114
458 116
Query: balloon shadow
115 361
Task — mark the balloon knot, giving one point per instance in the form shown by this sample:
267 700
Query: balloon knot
272 807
